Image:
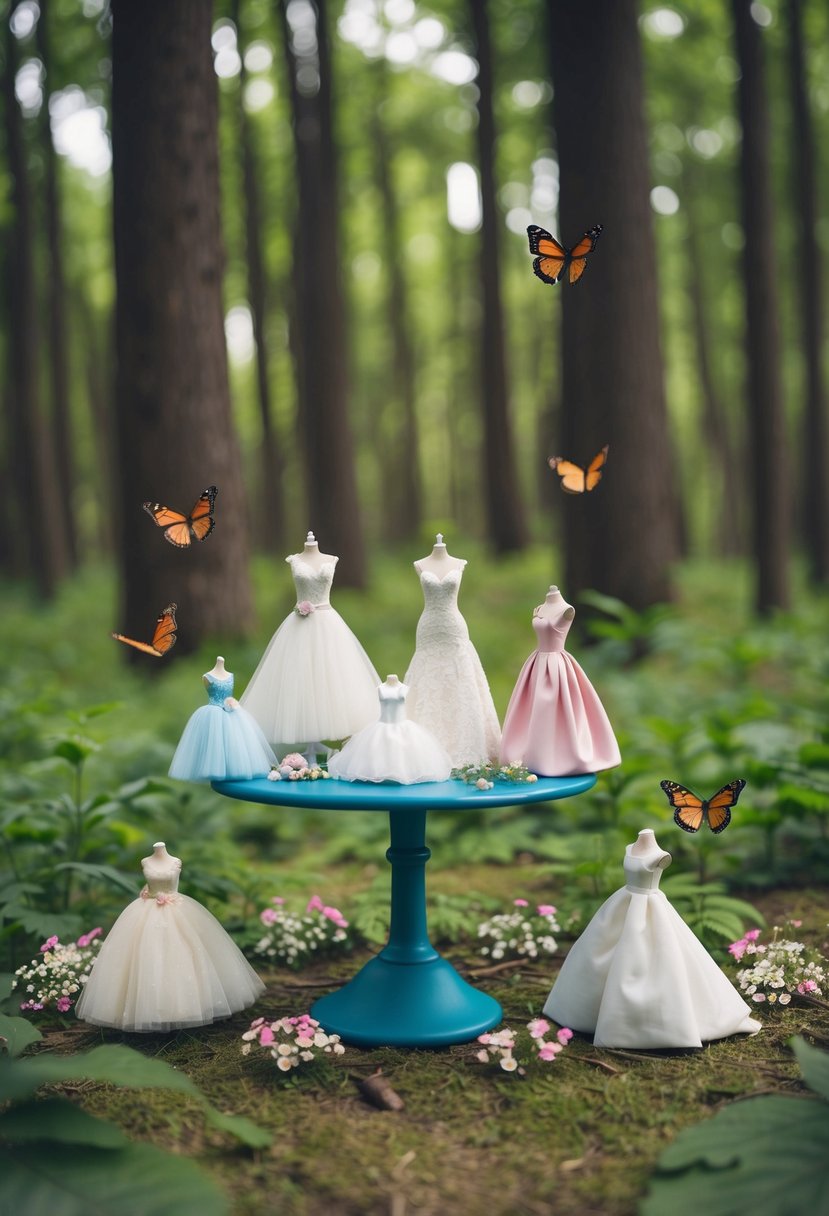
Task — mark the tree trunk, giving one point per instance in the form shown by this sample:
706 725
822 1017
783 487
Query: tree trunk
815 482
175 429
56 296
770 497
36 490
506 524
320 343
622 537
270 527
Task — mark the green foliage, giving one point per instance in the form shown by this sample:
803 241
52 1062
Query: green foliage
715 916
766 1155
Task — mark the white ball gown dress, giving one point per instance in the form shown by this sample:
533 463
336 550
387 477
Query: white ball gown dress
392 749
221 742
166 963
638 977
448 690
314 681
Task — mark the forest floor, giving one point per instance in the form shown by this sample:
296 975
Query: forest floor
579 1135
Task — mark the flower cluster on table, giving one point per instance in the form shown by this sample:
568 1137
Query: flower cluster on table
291 938
484 775
499 1045
779 970
295 767
56 977
291 1041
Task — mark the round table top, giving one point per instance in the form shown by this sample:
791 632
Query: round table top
333 794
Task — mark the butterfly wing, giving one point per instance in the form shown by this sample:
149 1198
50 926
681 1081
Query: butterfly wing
578 254
202 522
688 808
719 806
594 470
164 635
572 475
551 261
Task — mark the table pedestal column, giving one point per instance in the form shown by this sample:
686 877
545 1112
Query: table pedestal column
408 996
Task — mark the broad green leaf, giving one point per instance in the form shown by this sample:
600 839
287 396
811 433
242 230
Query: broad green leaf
814 1064
54 1119
137 1180
237 1125
124 881
74 750
6 983
18 1033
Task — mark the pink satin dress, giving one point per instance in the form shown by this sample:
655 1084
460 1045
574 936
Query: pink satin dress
555 724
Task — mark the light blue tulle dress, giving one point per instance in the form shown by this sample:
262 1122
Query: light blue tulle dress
220 743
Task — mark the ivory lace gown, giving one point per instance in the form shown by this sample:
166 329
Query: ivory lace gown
393 748
314 680
448 690
638 977
166 963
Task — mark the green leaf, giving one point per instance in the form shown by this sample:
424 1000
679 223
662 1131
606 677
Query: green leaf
74 750
6 984
814 1064
54 1119
18 1034
124 881
137 1180
237 1125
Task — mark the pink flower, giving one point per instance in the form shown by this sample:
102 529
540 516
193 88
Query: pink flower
266 1036
337 917
278 899
304 608
564 1035
87 938
538 1027
549 1051
294 760
546 910
520 903
483 784
63 1004
482 1056
49 944
738 949
806 987
759 997
752 935
315 904
268 916
796 923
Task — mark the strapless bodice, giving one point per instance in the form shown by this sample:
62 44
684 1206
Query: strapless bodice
551 634
218 690
312 585
642 873
162 877
441 620
393 704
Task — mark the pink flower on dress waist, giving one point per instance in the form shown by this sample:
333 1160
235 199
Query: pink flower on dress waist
304 608
166 897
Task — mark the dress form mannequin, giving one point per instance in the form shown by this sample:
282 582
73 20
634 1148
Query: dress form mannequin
166 963
555 606
440 561
311 554
638 977
221 741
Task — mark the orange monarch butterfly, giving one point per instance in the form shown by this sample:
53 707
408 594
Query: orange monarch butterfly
690 812
180 530
554 260
164 635
575 479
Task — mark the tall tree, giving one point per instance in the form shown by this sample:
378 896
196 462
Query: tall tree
815 481
506 525
622 538
319 341
37 495
270 525
770 489
175 430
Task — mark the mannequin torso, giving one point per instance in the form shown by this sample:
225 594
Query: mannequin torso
439 562
311 555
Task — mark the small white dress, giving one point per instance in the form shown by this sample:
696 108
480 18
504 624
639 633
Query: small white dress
393 748
314 681
166 963
448 690
638 977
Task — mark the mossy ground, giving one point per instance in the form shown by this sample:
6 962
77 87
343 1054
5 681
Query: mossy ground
577 1136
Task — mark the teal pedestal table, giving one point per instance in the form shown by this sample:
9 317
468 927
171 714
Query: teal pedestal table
407 996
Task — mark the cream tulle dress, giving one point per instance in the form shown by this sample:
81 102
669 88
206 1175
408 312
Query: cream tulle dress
166 963
392 749
448 690
638 977
314 681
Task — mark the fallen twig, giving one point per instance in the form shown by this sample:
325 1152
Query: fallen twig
377 1090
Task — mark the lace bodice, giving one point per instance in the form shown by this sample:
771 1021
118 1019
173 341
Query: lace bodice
218 690
551 634
642 873
441 620
161 875
312 585
392 703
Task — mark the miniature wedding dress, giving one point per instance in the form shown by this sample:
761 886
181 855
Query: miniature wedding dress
166 963
314 681
555 723
221 741
393 748
448 690
638 977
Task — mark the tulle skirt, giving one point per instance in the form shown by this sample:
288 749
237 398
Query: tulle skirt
555 724
220 744
163 967
638 977
313 682
392 751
